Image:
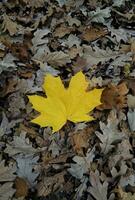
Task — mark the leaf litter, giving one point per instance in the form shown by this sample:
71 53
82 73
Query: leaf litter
62 39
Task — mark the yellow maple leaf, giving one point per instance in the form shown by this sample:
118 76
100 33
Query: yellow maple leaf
73 103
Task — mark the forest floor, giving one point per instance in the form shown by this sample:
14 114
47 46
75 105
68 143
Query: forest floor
87 160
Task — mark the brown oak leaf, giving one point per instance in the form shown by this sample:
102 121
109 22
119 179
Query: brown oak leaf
114 97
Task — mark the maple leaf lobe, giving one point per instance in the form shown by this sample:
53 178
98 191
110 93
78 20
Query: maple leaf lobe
73 103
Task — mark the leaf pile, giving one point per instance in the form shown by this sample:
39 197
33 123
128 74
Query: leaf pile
74 61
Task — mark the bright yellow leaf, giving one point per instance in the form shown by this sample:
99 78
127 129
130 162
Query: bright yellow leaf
73 103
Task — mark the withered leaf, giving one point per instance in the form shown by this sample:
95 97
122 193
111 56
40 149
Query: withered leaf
9 25
117 97
50 184
92 33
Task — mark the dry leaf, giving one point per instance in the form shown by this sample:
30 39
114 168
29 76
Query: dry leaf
63 104
20 144
57 59
26 168
7 173
20 51
9 25
6 191
92 33
80 139
117 98
50 184
82 165
131 119
131 101
100 15
124 195
96 55
79 64
74 52
98 189
21 187
72 21
110 133
34 3
133 50
131 85
62 30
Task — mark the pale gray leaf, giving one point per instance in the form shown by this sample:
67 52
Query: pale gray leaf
98 190
82 187
71 41
127 179
123 152
6 191
26 165
100 15
119 3
95 55
120 33
57 58
39 39
20 144
110 133
123 168
82 164
62 2
8 63
54 148
16 102
7 172
5 127
131 119
121 60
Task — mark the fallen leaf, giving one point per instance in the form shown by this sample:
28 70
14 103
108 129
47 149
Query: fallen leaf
82 165
76 52
131 119
110 133
6 191
125 195
25 168
62 30
119 3
119 35
95 55
131 85
7 172
10 86
131 101
21 187
98 189
100 15
7 63
117 98
79 64
91 33
80 139
71 41
20 144
20 51
9 25
50 184
63 104
123 152
133 50
56 59
73 21
34 3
